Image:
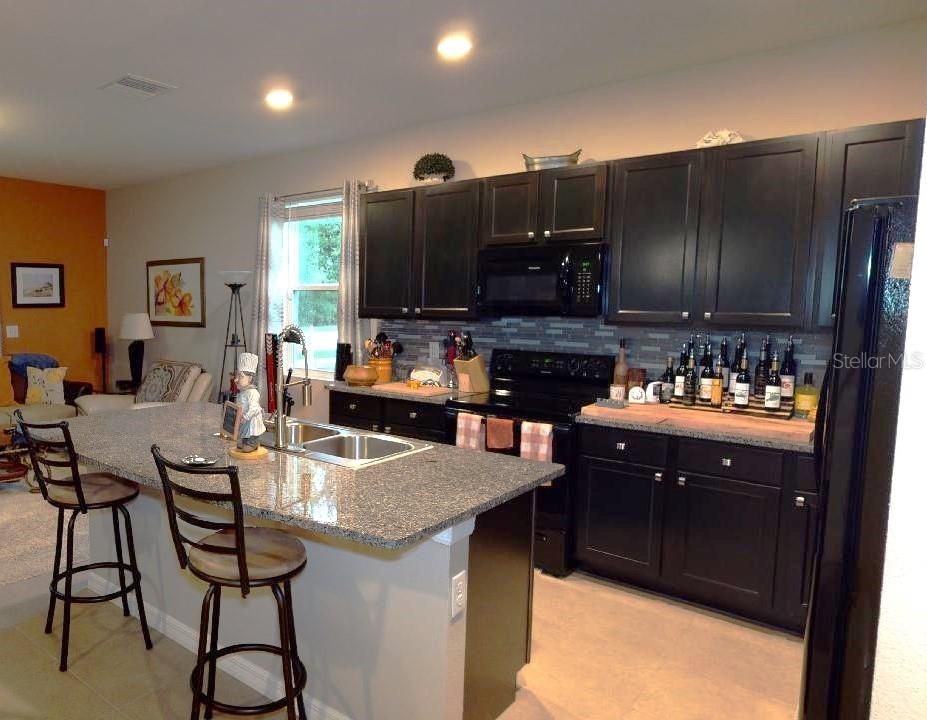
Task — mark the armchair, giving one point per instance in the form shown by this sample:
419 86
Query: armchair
14 374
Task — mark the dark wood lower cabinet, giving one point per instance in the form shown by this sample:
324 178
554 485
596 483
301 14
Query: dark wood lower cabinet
721 549
421 421
619 517
743 544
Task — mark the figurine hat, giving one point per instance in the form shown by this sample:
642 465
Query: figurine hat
247 362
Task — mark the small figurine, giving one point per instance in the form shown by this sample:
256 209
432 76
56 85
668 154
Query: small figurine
249 399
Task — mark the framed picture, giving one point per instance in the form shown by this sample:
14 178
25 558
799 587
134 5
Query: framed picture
37 285
176 292
231 420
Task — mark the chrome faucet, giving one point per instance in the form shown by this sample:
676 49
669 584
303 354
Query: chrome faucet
291 334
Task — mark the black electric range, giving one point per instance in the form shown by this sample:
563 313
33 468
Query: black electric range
543 387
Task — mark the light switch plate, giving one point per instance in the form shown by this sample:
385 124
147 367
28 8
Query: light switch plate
12 331
458 594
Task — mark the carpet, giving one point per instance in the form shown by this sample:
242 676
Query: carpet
27 535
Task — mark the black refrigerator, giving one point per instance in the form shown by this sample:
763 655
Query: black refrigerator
854 449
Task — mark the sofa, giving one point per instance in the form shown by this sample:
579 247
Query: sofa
12 375
167 381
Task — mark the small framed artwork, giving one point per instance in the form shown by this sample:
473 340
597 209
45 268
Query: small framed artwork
37 285
176 292
231 420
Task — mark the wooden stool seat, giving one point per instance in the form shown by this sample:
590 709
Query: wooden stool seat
101 490
271 555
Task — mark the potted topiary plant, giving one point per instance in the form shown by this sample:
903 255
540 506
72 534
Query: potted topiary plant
433 167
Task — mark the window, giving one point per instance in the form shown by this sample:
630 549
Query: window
312 237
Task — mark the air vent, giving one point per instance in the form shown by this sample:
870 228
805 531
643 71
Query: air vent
139 86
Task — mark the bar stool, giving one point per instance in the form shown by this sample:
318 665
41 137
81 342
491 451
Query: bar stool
78 494
239 557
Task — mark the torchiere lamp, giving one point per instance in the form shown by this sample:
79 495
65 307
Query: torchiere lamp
137 328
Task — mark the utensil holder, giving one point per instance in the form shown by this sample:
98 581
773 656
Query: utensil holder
384 368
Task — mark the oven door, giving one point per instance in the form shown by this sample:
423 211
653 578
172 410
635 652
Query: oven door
523 282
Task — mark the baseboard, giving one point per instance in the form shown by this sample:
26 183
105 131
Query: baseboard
240 668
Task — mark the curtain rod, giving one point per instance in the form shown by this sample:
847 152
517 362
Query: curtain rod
315 192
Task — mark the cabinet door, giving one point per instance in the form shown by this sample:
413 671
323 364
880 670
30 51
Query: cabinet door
654 232
871 161
510 210
386 254
721 549
758 202
797 546
619 528
446 237
573 203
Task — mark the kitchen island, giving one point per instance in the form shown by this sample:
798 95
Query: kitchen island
373 607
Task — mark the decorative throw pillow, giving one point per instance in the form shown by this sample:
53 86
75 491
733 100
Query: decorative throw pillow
46 387
168 381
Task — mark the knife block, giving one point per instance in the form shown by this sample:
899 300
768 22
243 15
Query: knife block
474 370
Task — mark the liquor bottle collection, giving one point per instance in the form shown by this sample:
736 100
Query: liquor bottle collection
701 378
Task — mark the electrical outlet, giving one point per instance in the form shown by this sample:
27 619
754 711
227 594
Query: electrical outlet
12 331
458 594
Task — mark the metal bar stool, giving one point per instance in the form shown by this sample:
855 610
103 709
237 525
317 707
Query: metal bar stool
233 555
50 446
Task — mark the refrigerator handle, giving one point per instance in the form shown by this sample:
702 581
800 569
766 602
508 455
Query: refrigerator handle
820 420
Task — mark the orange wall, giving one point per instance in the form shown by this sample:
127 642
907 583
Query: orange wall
40 222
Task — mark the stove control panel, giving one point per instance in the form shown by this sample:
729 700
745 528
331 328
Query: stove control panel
570 366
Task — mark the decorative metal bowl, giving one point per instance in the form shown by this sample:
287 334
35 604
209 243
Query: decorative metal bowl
551 161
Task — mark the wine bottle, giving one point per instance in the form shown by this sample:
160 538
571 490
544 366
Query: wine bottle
738 354
717 385
621 367
725 366
788 372
706 380
761 373
742 382
806 398
668 381
680 379
772 395
691 383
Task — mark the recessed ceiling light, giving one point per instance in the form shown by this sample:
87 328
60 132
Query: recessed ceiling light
455 46
279 99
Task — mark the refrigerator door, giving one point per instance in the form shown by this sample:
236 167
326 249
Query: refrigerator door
856 435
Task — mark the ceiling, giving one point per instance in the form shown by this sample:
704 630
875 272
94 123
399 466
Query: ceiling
356 67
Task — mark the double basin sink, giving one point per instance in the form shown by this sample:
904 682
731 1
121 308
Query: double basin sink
337 445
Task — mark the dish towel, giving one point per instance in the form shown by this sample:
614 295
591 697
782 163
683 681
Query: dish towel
500 433
537 441
470 432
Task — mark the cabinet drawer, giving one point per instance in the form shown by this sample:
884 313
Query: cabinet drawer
625 445
421 415
355 422
733 461
417 433
356 406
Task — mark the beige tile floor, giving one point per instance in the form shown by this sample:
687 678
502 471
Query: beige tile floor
600 651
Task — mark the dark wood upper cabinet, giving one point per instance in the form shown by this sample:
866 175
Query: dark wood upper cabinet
871 161
619 518
386 243
756 230
573 203
654 236
510 210
447 220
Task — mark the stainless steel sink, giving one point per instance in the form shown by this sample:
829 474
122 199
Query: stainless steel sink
353 449
298 434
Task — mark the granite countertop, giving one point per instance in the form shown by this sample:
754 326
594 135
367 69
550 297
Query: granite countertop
377 391
757 432
391 504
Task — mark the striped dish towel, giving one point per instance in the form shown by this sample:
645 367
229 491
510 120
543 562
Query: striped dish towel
470 432
537 441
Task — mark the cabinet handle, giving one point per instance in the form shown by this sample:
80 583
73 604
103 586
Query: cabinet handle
404 309
531 234
352 406
726 462
413 415
800 502
620 446
681 481
375 427
388 429
547 233
708 316
418 311
685 314
658 477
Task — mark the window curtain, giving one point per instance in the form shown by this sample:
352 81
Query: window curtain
352 329
269 279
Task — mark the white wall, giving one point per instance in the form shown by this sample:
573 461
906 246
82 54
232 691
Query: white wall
900 685
852 80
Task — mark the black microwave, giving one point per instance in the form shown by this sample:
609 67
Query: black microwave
544 280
